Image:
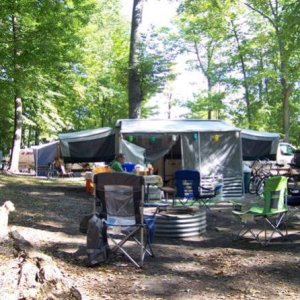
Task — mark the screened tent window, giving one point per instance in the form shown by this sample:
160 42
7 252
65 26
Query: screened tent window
156 145
256 149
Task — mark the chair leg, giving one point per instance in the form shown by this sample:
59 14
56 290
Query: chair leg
142 246
204 203
274 225
126 254
168 191
243 231
142 241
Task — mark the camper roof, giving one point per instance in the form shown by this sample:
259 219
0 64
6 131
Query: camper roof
259 135
173 126
86 134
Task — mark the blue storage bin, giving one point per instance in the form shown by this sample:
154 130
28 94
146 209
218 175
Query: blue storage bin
128 167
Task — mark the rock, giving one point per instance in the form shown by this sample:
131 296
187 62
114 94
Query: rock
20 243
28 284
39 276
50 273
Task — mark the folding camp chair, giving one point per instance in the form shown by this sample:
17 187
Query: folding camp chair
122 197
189 191
273 212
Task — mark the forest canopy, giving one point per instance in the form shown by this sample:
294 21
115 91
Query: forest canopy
64 65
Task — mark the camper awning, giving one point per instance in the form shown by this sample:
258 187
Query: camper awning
173 126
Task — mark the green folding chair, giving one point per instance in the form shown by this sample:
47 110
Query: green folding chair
273 212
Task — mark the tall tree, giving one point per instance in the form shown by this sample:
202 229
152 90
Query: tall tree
259 54
134 79
244 72
275 13
37 40
103 90
203 28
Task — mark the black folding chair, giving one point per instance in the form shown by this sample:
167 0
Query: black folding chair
122 197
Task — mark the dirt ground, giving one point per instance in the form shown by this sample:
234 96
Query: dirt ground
210 266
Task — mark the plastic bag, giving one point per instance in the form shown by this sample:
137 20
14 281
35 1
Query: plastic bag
97 246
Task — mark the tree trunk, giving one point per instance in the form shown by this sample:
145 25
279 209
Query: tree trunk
206 73
134 80
209 87
16 144
169 105
245 77
14 163
285 88
29 136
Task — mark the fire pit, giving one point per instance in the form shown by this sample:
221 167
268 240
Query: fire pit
181 222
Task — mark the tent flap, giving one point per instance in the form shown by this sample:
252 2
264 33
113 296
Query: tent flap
133 153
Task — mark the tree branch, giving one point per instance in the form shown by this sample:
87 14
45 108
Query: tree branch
199 58
274 13
261 13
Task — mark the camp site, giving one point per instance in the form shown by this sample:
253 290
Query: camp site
149 149
188 228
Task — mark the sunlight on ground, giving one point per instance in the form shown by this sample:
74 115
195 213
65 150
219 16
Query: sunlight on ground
39 180
39 236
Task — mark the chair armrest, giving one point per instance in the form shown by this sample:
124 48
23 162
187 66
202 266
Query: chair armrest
215 191
218 188
205 188
158 205
167 189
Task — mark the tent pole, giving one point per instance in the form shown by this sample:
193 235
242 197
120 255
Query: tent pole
36 163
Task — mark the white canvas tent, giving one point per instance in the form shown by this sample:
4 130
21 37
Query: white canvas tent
26 159
259 144
211 146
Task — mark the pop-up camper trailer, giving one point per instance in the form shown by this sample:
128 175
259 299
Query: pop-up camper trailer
213 147
210 146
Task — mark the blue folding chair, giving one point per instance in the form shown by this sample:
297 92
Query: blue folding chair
189 191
